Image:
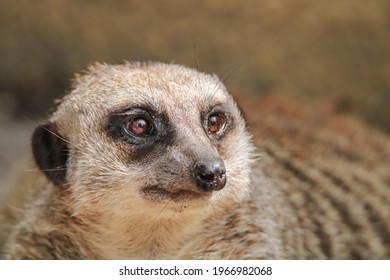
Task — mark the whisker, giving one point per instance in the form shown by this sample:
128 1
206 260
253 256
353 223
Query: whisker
165 206
63 139
39 170
58 136
228 73
224 77
196 58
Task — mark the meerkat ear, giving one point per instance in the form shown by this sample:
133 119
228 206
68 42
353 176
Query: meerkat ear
50 152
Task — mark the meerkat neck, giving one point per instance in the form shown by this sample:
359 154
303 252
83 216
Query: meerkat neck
144 237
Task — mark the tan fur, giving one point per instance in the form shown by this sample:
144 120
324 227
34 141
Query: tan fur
320 188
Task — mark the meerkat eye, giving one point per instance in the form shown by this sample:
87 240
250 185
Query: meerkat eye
216 122
138 126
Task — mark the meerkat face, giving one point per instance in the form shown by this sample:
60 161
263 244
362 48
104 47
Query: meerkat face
142 137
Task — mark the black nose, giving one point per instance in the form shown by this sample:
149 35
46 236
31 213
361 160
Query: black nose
210 176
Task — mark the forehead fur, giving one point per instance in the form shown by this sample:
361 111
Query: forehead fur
109 88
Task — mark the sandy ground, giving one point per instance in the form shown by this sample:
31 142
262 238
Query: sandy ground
14 149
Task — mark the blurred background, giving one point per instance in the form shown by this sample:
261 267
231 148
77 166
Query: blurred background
336 50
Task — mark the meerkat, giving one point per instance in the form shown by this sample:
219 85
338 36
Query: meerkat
155 161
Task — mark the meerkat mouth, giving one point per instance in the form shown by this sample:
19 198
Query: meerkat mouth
157 193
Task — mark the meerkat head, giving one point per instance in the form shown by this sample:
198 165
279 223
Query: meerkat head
139 138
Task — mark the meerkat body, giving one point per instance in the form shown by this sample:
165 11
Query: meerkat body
154 161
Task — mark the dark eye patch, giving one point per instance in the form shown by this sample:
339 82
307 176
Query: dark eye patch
140 131
135 125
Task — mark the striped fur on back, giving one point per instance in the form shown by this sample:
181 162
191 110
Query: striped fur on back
335 172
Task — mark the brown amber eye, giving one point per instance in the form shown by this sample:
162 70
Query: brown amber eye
215 122
139 126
